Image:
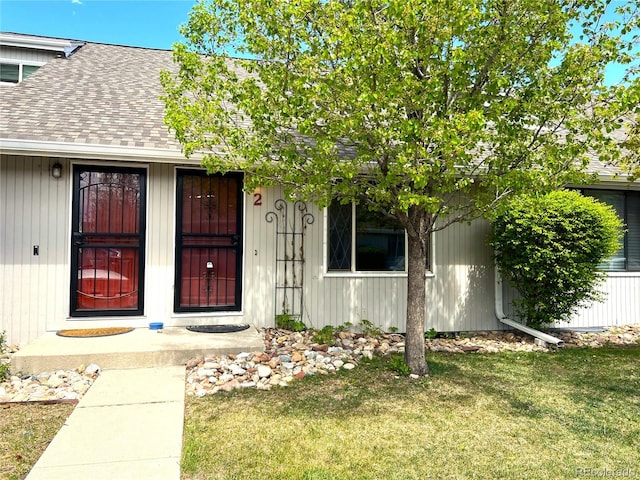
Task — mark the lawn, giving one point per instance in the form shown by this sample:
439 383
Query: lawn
570 414
25 432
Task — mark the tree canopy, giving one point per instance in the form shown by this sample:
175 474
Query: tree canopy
432 111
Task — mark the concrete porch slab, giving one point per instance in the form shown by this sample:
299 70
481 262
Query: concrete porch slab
141 348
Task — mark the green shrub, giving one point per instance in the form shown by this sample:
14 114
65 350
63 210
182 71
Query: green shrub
325 336
549 248
369 329
287 321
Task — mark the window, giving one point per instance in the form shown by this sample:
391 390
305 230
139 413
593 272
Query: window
16 72
361 240
627 206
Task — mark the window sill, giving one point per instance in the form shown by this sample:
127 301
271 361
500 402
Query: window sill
629 273
371 275
217 313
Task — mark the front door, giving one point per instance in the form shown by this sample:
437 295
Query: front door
208 242
107 241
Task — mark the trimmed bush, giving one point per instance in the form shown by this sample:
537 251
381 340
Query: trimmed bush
549 248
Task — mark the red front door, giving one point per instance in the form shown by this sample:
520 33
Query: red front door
107 244
208 242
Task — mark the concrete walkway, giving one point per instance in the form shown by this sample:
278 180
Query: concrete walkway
128 426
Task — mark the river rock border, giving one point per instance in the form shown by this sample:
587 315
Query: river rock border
50 387
289 356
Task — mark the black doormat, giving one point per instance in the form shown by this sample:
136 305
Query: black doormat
217 328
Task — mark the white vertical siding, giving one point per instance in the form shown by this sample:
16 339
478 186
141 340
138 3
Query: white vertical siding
459 293
34 290
160 253
26 54
620 305
462 287
34 211
259 259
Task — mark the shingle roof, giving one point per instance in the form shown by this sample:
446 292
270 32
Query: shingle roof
101 95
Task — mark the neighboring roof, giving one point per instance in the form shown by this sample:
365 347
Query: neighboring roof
100 96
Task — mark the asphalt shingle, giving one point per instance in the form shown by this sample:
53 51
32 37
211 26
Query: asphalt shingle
101 95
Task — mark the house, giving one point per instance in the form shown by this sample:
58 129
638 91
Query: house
104 222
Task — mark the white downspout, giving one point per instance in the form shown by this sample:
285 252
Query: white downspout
517 325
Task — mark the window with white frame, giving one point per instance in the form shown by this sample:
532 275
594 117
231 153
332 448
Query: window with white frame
362 240
627 206
11 72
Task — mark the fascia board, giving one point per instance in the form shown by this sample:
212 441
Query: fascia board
39 43
93 151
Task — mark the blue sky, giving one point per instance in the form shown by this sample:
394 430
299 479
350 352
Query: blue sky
140 23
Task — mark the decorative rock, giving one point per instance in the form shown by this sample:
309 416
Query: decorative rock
236 369
194 362
80 387
229 386
348 366
470 348
264 371
274 362
92 369
54 381
205 372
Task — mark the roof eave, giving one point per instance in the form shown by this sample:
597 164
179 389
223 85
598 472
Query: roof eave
95 151
39 43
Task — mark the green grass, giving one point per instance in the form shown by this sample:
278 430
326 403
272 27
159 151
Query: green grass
509 415
25 432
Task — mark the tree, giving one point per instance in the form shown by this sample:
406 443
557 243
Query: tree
432 111
549 247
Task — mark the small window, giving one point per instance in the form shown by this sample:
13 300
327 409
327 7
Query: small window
16 72
627 206
28 70
9 73
362 240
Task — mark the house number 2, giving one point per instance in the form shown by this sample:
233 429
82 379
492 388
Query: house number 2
257 199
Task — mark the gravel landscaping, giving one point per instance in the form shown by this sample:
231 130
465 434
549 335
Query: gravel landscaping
292 355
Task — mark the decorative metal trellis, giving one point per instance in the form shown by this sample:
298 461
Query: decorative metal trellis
289 281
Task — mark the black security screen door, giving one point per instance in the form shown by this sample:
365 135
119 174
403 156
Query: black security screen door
208 242
107 241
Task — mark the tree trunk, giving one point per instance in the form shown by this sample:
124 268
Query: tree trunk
416 303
